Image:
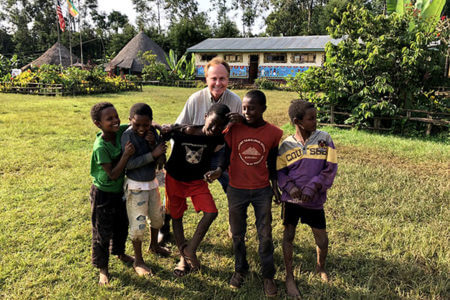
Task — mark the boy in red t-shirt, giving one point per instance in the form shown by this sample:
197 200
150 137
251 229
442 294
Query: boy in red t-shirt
251 154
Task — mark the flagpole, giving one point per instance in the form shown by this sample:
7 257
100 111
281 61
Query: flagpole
70 40
59 39
81 41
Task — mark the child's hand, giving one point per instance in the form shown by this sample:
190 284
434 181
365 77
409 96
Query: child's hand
276 194
159 150
150 138
129 149
210 176
296 194
160 162
305 198
235 117
166 128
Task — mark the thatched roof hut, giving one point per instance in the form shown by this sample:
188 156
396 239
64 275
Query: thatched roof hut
127 59
51 57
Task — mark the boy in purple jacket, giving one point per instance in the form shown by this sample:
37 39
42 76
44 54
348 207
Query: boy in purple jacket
306 167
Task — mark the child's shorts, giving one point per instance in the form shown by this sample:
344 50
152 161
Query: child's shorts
143 206
312 217
178 191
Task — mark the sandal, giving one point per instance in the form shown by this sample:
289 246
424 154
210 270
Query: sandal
181 270
192 261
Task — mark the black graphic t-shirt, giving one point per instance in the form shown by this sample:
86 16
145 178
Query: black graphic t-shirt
191 155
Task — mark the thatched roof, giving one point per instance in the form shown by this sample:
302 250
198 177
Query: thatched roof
128 56
51 57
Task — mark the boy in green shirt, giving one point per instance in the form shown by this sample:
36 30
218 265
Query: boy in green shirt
109 215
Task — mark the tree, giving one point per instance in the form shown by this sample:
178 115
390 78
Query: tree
224 27
380 65
250 9
117 20
188 32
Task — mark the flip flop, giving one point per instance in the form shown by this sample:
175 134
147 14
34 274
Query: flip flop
181 269
192 261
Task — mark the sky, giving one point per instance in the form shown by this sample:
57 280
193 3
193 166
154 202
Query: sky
126 7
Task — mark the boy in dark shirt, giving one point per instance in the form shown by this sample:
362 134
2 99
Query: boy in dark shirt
189 161
141 185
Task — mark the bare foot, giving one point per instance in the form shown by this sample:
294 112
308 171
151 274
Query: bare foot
191 259
322 273
162 251
126 258
142 269
291 289
104 277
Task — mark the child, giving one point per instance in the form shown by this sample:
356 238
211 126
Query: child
109 216
193 148
253 145
141 186
306 169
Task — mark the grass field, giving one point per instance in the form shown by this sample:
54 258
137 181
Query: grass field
388 213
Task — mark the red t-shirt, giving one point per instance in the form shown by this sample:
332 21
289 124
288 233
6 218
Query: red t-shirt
249 150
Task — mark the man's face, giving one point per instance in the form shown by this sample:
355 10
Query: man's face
217 80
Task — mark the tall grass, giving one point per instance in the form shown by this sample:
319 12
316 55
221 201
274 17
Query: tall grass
387 213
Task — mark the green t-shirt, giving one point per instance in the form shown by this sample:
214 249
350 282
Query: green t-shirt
104 153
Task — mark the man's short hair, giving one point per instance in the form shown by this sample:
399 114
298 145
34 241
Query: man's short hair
96 110
217 61
257 95
141 109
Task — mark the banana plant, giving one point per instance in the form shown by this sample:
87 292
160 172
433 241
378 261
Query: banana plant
181 68
425 8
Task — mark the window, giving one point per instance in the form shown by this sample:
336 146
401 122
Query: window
303 58
208 57
233 58
274 58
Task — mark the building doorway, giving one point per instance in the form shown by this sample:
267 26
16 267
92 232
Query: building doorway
253 70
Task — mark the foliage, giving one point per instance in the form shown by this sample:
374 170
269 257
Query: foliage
153 70
266 84
7 64
380 66
183 69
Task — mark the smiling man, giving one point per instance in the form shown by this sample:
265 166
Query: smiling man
217 73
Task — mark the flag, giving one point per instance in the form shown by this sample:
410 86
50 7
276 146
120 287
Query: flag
72 9
62 23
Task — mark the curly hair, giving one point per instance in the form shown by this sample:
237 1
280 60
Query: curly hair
141 109
96 110
298 109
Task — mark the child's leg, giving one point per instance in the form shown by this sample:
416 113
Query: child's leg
321 238
120 231
262 204
237 216
102 221
156 221
288 239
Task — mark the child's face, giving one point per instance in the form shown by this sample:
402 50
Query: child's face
109 120
140 124
252 110
309 121
214 125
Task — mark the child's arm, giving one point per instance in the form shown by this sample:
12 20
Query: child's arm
142 160
324 180
114 173
272 167
224 162
286 183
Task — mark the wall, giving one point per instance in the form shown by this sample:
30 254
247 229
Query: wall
240 70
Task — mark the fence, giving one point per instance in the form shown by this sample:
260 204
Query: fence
430 118
77 89
177 83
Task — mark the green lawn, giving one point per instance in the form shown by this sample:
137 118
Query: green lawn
387 213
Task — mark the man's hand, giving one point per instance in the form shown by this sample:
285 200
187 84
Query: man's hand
159 150
129 149
210 176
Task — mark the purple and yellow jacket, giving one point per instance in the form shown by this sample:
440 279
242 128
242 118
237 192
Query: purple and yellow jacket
303 166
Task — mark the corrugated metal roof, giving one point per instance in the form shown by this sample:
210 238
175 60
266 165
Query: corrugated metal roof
264 44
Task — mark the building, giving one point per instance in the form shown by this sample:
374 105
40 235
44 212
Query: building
127 60
56 55
262 57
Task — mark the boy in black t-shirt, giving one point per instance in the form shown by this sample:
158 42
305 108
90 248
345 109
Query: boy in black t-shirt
189 161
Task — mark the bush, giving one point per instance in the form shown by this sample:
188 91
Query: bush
266 84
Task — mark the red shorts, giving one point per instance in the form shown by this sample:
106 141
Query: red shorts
178 191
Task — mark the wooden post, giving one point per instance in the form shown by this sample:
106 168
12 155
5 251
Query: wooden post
376 123
332 114
429 125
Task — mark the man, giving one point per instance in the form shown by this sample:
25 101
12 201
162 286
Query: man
217 73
